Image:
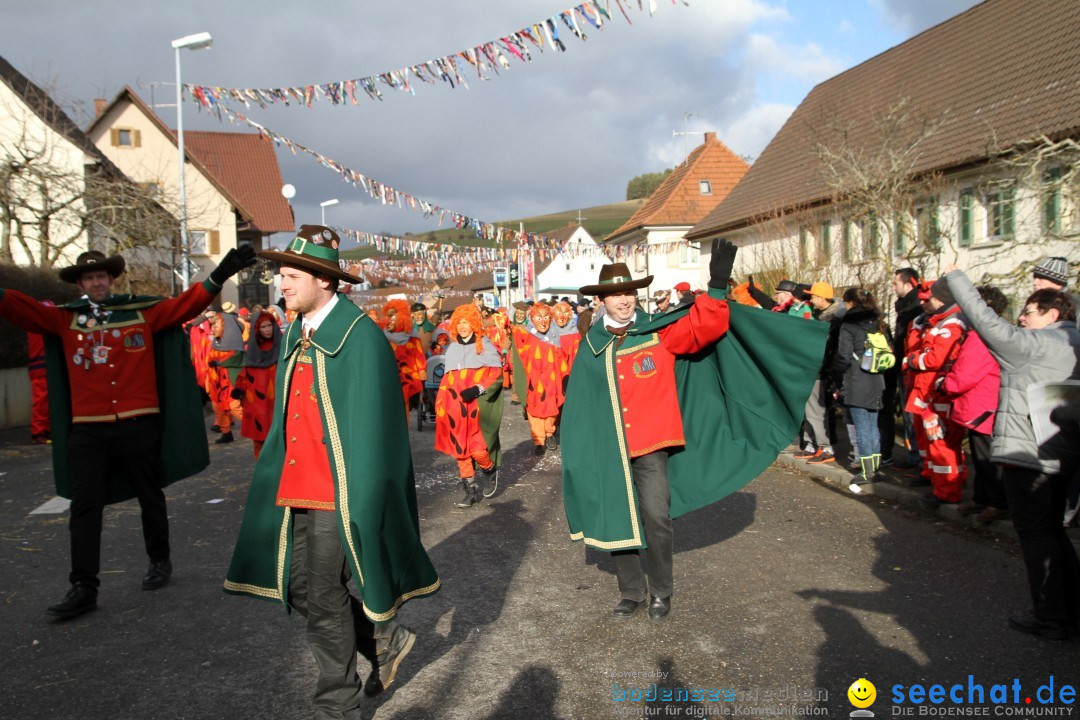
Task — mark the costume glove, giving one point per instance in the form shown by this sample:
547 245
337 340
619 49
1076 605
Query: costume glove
723 260
234 261
933 428
759 295
470 393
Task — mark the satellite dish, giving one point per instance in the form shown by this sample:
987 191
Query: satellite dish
288 191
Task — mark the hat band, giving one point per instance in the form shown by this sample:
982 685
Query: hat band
301 246
614 280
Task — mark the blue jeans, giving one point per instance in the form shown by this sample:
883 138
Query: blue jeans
867 435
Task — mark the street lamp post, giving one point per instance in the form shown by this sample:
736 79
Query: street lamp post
197 41
325 205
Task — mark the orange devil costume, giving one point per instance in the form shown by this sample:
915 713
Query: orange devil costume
223 366
408 350
545 366
255 383
569 337
472 379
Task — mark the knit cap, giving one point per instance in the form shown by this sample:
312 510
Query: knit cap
1054 269
941 291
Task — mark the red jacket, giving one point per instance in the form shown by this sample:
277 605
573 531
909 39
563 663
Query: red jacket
125 385
934 349
971 385
651 416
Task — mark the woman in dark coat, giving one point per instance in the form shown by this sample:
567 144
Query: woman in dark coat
861 390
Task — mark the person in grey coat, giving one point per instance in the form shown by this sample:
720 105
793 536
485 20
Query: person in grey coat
1045 349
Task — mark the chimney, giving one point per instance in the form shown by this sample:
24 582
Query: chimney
99 106
710 136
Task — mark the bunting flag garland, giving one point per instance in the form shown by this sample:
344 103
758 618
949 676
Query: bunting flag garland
488 57
388 195
425 261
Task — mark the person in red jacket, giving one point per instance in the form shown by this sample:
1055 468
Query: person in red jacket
939 441
39 386
410 353
116 429
971 387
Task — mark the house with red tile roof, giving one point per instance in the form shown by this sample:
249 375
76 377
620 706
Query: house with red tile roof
233 184
653 241
979 117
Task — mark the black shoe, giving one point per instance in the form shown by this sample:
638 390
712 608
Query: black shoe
539 450
215 429
158 575
550 442
659 608
627 608
386 662
225 438
1049 629
472 493
80 599
931 500
491 480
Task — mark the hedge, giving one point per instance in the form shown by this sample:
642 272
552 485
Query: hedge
37 283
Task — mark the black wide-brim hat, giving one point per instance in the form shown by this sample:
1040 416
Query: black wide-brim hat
315 249
92 261
615 278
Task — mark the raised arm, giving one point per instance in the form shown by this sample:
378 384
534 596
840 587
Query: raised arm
27 313
1007 342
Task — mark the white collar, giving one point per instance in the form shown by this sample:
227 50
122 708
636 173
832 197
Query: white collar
610 321
316 318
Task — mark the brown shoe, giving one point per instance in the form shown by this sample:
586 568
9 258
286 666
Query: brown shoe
990 514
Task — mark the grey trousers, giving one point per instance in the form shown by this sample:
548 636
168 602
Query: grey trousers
654 503
815 417
336 625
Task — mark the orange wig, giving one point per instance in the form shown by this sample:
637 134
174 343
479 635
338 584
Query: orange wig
470 314
402 321
537 308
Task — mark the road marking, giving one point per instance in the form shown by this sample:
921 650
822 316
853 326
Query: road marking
53 507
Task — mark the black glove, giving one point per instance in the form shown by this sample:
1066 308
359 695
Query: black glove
470 393
236 394
759 296
723 260
234 261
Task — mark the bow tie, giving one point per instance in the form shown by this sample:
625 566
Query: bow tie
620 331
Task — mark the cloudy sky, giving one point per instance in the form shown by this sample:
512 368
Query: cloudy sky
566 131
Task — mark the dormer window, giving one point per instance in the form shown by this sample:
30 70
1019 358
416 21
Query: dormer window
705 186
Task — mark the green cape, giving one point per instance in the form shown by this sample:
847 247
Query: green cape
367 443
184 451
741 401
491 411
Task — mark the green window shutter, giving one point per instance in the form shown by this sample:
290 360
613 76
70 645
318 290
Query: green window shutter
1052 201
803 244
870 236
899 236
967 218
826 240
845 241
933 236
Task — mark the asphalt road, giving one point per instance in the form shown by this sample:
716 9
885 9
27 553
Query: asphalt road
788 588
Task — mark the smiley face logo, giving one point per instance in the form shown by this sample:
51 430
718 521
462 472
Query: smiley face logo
862 693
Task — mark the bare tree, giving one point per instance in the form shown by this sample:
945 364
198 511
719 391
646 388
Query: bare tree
58 195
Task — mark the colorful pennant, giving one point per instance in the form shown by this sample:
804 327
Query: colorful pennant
486 59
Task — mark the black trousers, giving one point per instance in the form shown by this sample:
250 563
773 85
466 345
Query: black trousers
654 503
336 625
97 451
989 487
887 416
1037 503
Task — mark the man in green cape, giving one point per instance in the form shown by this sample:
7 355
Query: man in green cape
333 496
667 414
125 409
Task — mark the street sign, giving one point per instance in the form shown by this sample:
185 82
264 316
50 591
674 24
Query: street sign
500 277
193 269
514 275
